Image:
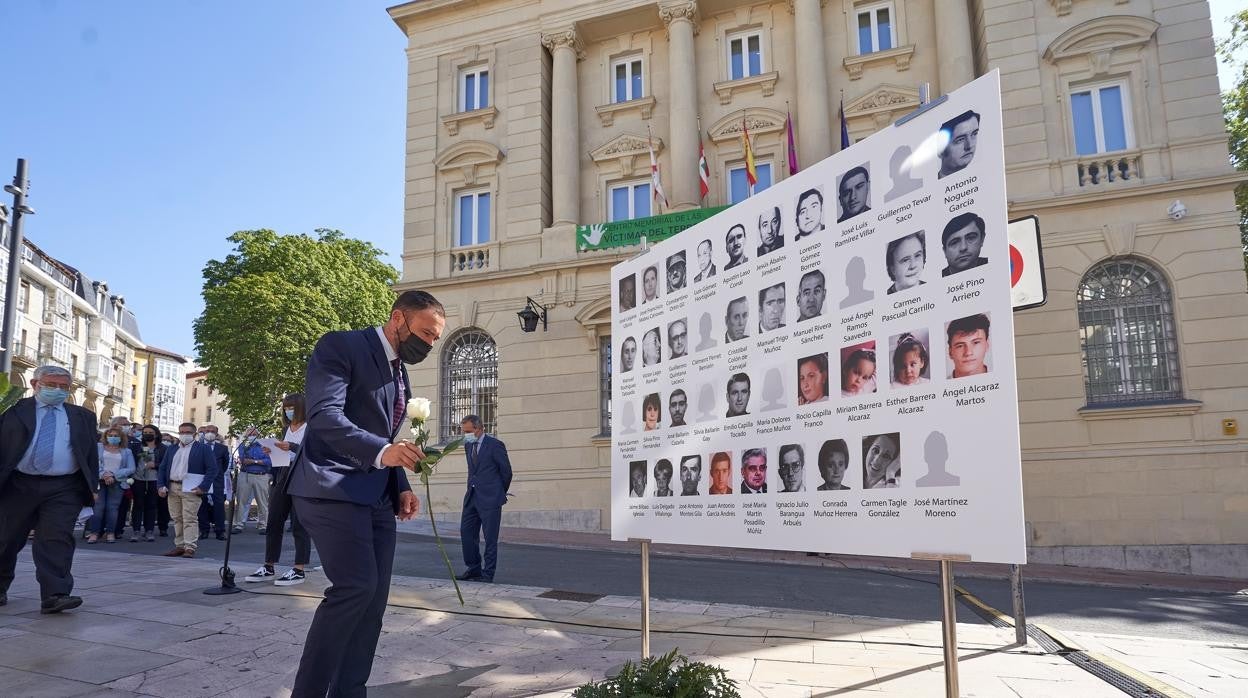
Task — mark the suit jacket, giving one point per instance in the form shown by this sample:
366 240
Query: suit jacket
489 472
202 462
747 490
350 398
17 428
221 456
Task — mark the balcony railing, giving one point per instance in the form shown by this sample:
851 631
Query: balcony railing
1107 169
115 394
469 260
26 354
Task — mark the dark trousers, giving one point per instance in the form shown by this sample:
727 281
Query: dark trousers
50 505
123 511
212 509
143 509
474 521
356 544
281 507
162 514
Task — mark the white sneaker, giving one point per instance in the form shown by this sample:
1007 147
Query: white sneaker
263 574
291 578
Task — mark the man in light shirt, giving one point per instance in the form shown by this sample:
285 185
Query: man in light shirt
186 472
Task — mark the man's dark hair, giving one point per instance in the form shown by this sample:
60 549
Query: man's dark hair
720 455
967 325
472 419
739 378
653 268
637 466
734 227
807 194
831 447
775 214
674 392
859 170
959 222
417 300
809 274
187 424
762 295
892 250
951 124
801 455
707 243
661 465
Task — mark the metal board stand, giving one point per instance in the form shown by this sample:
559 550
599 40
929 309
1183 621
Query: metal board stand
1020 614
949 615
645 595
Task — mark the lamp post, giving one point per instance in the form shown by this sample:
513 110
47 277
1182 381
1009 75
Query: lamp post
16 241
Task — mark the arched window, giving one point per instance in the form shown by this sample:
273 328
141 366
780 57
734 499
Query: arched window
1126 323
469 381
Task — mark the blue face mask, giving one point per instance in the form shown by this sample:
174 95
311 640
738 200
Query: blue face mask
51 396
114 440
470 438
290 415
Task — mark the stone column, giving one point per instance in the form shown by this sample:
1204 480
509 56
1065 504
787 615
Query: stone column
564 127
682 24
953 45
814 110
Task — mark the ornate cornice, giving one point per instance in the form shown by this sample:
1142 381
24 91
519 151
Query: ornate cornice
683 9
564 38
758 119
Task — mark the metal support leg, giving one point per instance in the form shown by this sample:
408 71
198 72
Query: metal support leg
1020 614
645 599
949 620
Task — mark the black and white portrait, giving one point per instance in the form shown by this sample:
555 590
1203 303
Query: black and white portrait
833 464
962 132
738 395
690 475
637 478
737 319
905 259
677 338
677 406
663 478
853 193
628 354
650 284
881 461
676 272
792 468
771 308
770 238
706 261
651 348
809 214
811 291
962 239
734 242
628 292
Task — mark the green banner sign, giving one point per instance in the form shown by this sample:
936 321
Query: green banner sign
603 236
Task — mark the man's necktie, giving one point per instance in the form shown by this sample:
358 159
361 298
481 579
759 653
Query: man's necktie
45 441
400 405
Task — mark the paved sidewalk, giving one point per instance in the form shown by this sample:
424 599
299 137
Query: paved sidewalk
146 629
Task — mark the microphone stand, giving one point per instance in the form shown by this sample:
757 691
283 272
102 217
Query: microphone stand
227 574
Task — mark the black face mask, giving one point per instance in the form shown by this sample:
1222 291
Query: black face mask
413 350
148 438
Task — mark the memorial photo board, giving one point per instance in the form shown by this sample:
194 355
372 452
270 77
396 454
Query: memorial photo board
828 366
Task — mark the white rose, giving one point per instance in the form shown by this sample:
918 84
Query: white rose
418 408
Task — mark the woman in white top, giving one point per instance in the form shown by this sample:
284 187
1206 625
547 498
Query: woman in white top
280 506
116 465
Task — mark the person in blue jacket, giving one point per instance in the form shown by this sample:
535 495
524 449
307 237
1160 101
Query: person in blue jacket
489 478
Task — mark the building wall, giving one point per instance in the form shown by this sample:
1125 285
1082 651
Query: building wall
203 404
1157 487
166 390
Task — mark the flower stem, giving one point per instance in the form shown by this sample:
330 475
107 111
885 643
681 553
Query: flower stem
450 570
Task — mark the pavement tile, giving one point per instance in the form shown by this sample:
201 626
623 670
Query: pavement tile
189 678
31 685
158 611
787 673
106 630
77 660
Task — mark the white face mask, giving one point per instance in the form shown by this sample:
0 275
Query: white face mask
209 437
186 439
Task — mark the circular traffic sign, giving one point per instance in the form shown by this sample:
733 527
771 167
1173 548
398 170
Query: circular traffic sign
1016 266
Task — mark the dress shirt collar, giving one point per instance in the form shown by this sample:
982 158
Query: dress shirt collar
391 354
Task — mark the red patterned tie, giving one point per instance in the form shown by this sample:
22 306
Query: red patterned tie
399 403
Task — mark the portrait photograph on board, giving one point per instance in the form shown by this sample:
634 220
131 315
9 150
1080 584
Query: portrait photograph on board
808 214
811 290
812 379
738 395
650 284
663 478
754 471
734 244
911 358
770 237
881 461
651 347
676 272
853 193
856 291
651 412
690 475
962 132
901 172
936 457
628 293
677 405
970 351
961 240
628 354
905 259
637 478
737 319
706 333
721 473
791 465
858 369
833 464
771 308
677 338
706 261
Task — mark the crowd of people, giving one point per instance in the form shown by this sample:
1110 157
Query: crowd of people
183 485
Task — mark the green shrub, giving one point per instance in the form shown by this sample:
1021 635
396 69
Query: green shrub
669 676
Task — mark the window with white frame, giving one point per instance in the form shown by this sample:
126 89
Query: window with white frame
629 200
745 55
626 79
739 188
474 88
1101 118
60 348
472 218
604 384
876 28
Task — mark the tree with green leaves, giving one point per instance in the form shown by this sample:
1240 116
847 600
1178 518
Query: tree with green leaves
269 301
1235 109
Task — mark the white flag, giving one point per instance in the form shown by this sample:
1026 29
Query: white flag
656 183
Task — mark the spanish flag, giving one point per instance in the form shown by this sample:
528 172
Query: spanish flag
750 174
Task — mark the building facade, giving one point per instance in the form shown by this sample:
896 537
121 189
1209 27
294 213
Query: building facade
203 404
165 388
65 318
527 118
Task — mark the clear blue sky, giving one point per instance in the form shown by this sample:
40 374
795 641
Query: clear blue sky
154 130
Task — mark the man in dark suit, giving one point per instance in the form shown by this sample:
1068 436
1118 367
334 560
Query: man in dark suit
49 470
212 511
489 478
348 488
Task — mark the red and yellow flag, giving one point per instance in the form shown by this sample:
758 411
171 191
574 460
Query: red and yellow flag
750 173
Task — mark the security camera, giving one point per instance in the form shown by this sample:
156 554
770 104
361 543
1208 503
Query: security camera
1177 210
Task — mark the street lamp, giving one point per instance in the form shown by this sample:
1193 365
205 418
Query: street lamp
531 313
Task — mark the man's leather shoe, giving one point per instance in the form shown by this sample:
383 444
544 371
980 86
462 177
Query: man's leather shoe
486 580
220 536
188 552
468 576
60 602
4 598
176 552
